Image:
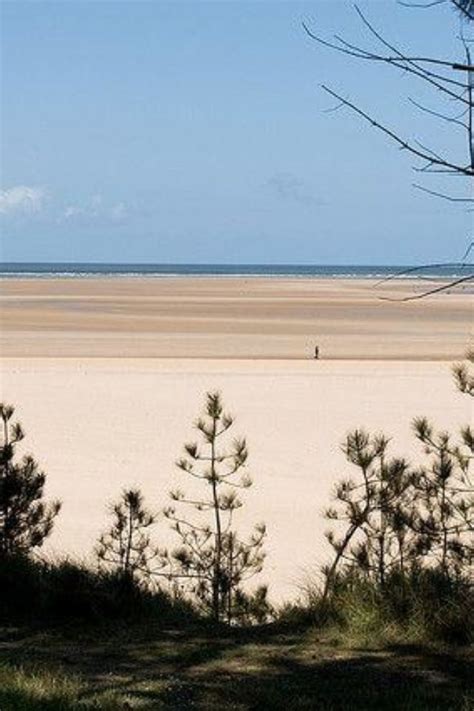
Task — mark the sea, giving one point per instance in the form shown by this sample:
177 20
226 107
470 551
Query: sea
328 271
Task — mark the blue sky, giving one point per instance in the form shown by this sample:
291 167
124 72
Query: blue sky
198 132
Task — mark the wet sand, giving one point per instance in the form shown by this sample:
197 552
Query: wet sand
230 318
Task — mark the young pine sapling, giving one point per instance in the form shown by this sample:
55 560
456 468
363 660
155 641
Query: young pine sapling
126 548
212 556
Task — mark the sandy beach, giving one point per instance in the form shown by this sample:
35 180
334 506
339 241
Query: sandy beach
230 318
141 355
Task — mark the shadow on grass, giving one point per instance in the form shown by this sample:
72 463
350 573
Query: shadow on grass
18 700
244 670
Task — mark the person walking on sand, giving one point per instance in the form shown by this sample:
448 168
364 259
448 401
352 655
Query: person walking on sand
316 353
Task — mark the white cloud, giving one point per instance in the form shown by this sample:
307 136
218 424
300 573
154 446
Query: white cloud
72 211
93 210
118 211
96 201
89 209
21 198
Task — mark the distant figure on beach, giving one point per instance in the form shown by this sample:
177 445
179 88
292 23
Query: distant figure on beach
316 353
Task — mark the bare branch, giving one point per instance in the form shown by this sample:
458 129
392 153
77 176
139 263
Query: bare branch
401 142
449 119
437 290
443 196
412 270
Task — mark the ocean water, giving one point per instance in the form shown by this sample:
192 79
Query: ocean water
329 271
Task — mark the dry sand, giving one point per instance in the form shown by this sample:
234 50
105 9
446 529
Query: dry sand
98 424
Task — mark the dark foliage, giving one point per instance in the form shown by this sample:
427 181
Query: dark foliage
65 591
126 548
375 510
25 519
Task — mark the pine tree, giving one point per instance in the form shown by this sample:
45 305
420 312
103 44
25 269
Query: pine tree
25 519
464 374
212 556
126 547
375 510
445 488
445 500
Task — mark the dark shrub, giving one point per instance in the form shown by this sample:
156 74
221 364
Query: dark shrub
50 592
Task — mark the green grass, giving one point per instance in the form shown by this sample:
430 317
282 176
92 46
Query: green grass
26 690
145 667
